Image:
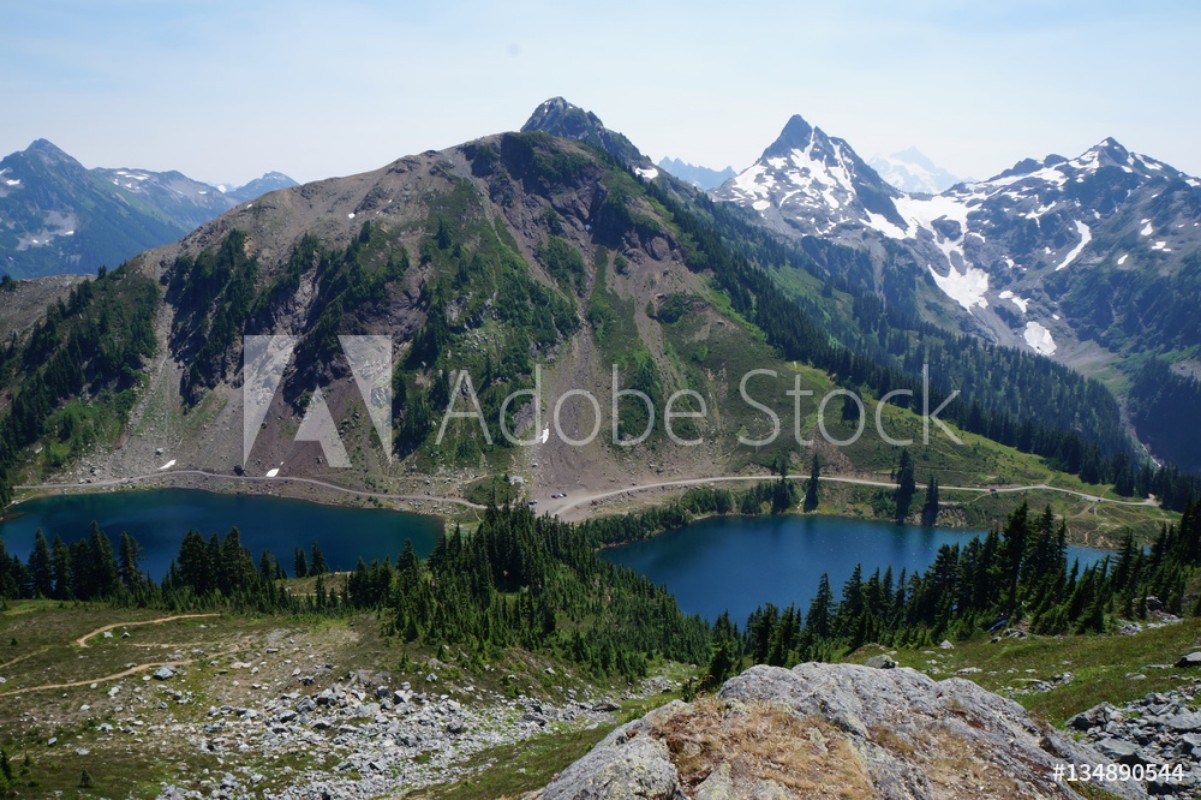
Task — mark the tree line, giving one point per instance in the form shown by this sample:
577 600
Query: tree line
516 581
1016 574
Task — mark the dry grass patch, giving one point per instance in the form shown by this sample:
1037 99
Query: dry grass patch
806 756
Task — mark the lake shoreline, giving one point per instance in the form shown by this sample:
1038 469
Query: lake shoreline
445 510
449 510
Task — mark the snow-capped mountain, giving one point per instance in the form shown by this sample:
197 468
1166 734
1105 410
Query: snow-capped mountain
1025 256
812 184
186 201
910 171
58 217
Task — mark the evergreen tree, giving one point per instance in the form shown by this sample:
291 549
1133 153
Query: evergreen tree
930 507
318 565
40 567
906 487
130 558
104 573
812 486
65 561
300 565
819 621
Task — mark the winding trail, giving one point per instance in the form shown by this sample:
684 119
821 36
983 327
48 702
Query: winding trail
411 498
125 673
570 503
82 641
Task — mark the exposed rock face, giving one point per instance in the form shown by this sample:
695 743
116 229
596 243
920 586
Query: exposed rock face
832 730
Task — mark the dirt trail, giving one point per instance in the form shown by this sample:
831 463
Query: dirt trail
158 475
570 503
82 641
115 676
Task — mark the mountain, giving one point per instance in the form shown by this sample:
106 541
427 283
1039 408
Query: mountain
513 261
862 732
700 177
1031 258
910 171
560 118
808 183
1028 256
64 218
268 182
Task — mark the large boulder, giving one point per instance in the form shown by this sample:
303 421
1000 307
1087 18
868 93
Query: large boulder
834 730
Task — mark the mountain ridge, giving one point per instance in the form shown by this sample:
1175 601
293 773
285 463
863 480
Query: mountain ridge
65 218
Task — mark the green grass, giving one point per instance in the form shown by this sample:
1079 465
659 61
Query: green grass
1099 666
513 770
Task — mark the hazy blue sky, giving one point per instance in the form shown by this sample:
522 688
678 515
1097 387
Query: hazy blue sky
227 90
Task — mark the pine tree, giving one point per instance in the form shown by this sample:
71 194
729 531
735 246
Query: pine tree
300 566
104 573
318 565
811 487
906 486
819 622
41 566
930 507
129 558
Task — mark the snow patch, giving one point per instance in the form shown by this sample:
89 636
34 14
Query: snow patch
168 465
1147 229
1086 236
761 205
12 181
1020 302
1039 339
544 437
350 215
271 473
647 173
966 288
884 226
1122 259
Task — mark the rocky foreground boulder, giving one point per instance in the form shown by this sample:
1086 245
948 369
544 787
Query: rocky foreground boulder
834 731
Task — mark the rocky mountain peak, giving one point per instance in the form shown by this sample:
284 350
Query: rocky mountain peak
558 117
49 153
796 135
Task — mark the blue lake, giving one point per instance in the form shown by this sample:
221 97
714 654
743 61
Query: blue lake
159 518
729 563
738 563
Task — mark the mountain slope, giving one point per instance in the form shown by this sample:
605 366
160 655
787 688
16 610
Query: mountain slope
63 218
1094 261
520 262
1025 256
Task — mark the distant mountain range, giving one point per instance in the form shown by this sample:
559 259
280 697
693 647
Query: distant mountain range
1031 257
1093 261
59 217
700 177
910 171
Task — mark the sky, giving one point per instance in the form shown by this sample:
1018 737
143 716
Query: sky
224 91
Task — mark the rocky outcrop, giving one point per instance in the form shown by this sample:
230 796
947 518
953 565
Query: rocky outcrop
1160 729
833 730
